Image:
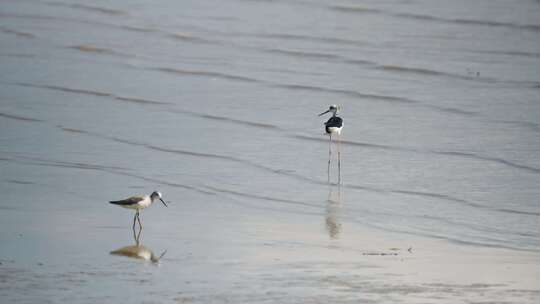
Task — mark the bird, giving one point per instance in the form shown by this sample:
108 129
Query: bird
137 203
334 125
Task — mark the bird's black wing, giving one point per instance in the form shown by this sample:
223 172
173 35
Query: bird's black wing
334 122
128 201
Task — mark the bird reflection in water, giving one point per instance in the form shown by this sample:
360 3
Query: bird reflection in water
333 212
138 251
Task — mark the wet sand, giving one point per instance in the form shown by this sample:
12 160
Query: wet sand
262 258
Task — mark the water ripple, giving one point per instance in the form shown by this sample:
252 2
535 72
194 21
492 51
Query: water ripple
269 126
17 33
349 93
20 118
206 74
439 196
89 8
431 18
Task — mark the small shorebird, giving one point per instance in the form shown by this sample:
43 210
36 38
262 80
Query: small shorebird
138 203
333 126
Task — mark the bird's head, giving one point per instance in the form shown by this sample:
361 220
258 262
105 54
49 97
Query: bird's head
331 109
157 195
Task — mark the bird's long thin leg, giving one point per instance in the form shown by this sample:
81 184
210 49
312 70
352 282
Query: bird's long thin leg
329 156
135 235
138 237
139 219
339 158
134 220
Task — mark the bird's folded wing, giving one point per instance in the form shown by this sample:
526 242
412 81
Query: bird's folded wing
128 201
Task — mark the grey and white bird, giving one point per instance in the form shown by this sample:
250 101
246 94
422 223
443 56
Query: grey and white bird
139 202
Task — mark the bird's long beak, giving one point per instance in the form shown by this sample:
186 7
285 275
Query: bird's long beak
163 202
324 112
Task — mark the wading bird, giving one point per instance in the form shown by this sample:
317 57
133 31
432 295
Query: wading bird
333 126
138 203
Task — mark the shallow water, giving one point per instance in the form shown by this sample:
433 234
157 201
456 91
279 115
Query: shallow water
215 105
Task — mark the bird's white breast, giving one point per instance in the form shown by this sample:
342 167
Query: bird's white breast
145 202
335 130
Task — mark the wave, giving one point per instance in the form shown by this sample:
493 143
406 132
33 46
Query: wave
90 8
94 93
191 38
349 93
207 190
65 164
441 196
166 183
386 98
269 126
332 40
351 216
497 160
361 62
355 9
108 169
453 110
72 20
227 119
20 118
144 101
64 89
290 174
384 67
519 212
262 197
524 124
207 74
192 153
138 29
354 143
304 54
530 27
6 30
427 72
72 130
31 16
509 53
18 55
141 100
19 182
91 49
397 68
431 18
374 65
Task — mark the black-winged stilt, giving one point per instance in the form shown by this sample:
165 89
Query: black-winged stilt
137 203
334 125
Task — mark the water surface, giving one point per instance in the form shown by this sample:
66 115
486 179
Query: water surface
214 103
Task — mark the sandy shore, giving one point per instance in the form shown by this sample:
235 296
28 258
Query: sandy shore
271 262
